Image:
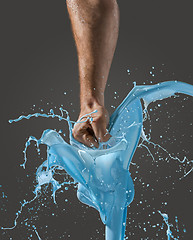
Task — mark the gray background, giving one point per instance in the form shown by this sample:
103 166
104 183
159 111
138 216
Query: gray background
39 63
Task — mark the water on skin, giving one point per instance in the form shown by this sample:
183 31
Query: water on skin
106 187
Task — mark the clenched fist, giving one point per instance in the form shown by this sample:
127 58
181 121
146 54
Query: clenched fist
91 129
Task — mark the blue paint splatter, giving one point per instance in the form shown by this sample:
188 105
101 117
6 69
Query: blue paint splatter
103 176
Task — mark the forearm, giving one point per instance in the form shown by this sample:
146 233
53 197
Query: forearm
95 29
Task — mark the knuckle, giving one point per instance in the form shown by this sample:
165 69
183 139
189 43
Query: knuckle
75 133
97 119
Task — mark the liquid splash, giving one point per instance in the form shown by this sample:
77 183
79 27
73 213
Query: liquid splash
106 187
19 212
169 225
37 234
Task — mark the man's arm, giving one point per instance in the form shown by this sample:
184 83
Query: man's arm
95 26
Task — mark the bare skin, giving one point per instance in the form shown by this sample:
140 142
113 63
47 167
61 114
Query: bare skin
95 25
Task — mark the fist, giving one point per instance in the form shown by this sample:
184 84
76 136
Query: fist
92 128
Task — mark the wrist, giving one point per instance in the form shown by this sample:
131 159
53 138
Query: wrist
89 105
91 102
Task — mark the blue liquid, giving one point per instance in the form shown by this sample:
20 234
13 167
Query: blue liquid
169 232
103 176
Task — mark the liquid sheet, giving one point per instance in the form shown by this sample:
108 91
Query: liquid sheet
103 176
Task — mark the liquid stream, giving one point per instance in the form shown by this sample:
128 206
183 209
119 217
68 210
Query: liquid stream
103 177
